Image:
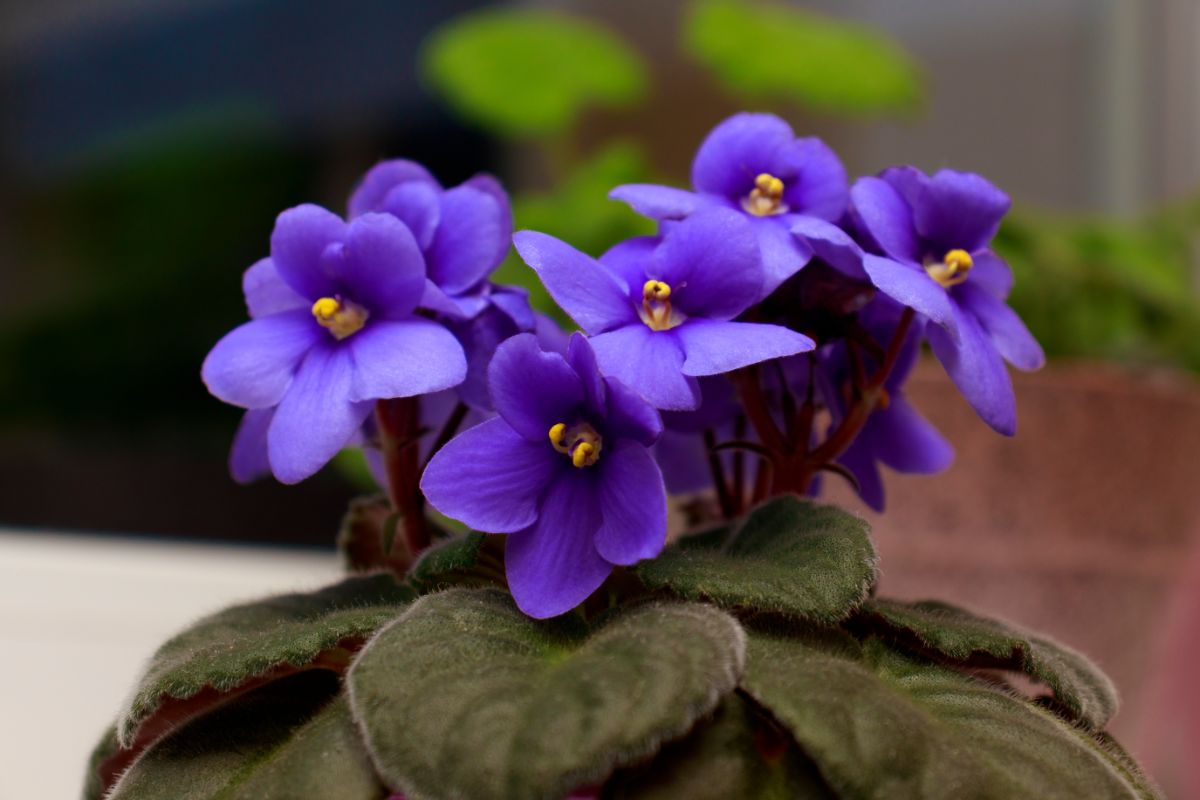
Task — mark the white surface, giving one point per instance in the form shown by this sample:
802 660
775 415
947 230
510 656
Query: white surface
79 616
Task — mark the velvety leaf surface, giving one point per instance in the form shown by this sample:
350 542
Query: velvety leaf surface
736 753
447 561
286 741
769 50
957 634
879 724
466 697
790 555
232 647
93 782
530 72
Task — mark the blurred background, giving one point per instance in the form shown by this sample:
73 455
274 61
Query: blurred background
146 147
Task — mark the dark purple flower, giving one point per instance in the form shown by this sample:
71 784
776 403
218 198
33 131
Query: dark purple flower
332 331
464 232
565 470
895 435
754 163
936 232
681 451
660 310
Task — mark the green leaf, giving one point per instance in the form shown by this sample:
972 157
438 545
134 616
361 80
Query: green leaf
247 644
579 212
737 753
789 556
287 741
465 696
527 72
95 778
767 51
879 724
957 634
448 561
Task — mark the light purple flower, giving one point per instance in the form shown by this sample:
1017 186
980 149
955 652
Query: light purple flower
565 470
332 330
660 310
464 232
754 164
936 232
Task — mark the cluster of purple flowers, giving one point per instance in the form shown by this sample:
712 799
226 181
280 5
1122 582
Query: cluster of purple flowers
773 321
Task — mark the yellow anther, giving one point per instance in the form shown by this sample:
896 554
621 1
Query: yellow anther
656 309
951 270
580 442
585 455
769 185
341 318
766 198
325 308
656 290
558 432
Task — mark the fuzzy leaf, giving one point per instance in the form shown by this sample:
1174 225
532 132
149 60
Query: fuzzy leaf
465 696
528 72
244 644
287 741
957 634
879 724
774 51
444 559
95 780
790 556
737 753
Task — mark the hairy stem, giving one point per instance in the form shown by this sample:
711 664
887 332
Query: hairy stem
399 429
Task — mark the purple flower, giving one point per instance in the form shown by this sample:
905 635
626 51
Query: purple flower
660 310
895 435
754 163
936 231
681 451
463 232
332 330
564 469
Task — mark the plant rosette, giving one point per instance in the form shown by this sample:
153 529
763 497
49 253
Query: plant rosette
540 636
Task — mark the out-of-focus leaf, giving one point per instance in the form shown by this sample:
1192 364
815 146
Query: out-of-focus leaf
1104 288
771 51
234 647
879 724
961 636
737 753
465 696
790 556
287 741
579 212
528 72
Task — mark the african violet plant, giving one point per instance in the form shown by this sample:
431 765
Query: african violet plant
568 644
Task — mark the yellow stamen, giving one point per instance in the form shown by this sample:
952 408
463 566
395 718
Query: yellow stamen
656 309
557 433
585 455
580 442
951 270
766 199
656 290
340 317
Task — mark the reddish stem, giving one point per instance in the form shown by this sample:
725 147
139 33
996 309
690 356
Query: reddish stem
399 428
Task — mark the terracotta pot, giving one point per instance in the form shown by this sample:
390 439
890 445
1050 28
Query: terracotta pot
1079 527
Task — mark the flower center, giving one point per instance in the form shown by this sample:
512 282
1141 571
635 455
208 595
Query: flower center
340 317
580 442
951 270
656 309
766 199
